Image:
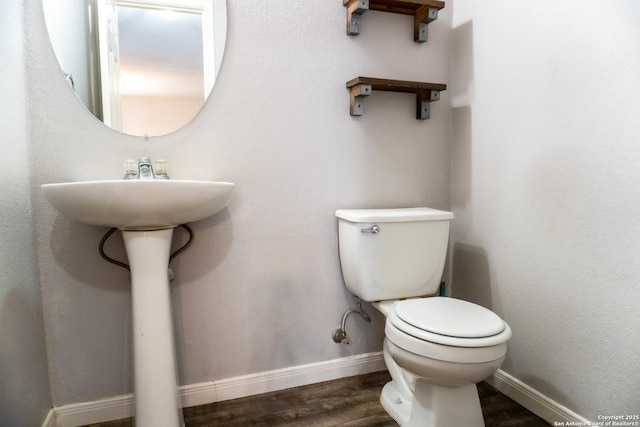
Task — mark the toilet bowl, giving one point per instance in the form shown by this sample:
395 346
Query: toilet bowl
436 348
434 373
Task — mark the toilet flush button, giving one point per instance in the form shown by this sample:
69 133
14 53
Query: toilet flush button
449 316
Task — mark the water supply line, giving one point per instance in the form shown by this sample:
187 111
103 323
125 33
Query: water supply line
107 257
340 334
126 266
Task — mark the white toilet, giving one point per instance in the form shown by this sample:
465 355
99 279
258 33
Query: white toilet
436 348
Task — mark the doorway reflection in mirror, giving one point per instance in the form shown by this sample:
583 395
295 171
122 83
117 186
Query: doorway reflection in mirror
144 67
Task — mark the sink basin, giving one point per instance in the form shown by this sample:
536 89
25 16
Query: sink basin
138 204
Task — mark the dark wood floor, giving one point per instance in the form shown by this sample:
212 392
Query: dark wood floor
347 402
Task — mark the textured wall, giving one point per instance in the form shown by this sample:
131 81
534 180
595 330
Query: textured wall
24 393
546 191
261 286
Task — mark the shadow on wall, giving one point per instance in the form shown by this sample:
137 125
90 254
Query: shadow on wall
22 345
462 96
212 241
74 246
461 158
471 279
462 85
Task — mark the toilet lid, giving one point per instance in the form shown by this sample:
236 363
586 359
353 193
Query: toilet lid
449 316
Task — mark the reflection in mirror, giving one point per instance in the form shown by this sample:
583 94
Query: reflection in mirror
143 67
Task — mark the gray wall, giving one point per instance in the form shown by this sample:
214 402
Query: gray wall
261 287
24 393
546 191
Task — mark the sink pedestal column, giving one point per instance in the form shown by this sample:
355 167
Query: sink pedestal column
155 374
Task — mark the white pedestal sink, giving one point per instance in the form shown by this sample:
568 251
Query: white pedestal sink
146 212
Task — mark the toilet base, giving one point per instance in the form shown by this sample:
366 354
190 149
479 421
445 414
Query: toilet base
434 406
394 405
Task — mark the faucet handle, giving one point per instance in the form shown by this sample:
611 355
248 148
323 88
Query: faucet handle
130 169
160 167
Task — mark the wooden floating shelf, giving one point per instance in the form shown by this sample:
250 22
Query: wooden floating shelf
425 93
423 12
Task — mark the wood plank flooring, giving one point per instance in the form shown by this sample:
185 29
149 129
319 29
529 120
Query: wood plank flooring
347 402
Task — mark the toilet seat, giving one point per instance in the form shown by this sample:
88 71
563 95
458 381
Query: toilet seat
449 321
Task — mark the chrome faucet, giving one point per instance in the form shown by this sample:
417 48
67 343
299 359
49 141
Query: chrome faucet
144 170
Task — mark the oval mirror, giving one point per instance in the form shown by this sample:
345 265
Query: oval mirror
142 67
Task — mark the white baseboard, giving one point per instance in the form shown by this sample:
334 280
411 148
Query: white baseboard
50 421
541 405
279 379
119 407
99 411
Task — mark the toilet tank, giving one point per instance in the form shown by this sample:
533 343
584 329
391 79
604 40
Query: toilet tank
404 258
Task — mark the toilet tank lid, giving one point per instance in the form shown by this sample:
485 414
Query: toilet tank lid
393 215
